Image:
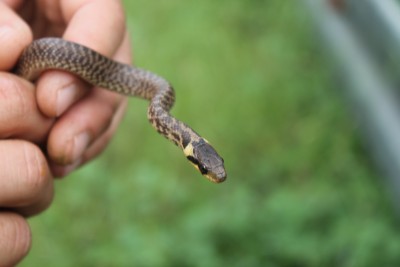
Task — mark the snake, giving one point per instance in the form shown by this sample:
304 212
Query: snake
100 71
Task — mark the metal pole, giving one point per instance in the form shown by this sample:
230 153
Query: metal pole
372 95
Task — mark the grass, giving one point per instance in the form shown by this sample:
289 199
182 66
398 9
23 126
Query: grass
250 76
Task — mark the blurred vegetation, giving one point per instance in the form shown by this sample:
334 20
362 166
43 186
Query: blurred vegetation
250 77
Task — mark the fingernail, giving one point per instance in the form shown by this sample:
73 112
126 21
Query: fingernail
65 97
81 142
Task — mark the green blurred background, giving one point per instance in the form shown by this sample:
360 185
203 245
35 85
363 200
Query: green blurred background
252 78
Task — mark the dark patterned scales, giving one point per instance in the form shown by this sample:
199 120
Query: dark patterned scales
55 53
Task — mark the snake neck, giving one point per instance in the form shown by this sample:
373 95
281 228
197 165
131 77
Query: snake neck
171 128
196 149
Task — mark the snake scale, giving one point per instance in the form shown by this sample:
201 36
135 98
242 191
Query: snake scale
98 70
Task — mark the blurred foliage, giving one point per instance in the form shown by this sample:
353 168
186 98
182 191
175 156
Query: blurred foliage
250 76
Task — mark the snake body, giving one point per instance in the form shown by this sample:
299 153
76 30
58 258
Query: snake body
98 70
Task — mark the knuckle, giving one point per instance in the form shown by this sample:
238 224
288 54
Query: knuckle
19 114
13 92
36 177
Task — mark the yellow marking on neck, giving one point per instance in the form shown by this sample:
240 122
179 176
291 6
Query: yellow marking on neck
188 150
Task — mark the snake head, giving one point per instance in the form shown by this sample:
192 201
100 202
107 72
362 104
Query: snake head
205 159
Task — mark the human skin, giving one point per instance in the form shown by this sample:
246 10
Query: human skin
50 128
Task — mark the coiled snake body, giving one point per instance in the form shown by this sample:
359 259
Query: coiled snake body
98 70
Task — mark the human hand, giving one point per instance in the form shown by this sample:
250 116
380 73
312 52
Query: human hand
26 183
30 119
85 120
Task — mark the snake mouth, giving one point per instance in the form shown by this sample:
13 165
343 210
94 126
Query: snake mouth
217 177
220 180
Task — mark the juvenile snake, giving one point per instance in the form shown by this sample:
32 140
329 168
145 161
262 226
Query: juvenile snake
98 70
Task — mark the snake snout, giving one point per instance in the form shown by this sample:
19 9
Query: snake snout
219 175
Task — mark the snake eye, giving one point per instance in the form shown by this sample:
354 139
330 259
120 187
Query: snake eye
203 169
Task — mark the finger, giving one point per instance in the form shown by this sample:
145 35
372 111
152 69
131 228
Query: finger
15 35
95 148
15 238
99 25
81 125
57 91
25 180
19 114
89 119
102 141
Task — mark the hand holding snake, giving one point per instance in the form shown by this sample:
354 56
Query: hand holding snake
31 116
60 113
54 53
